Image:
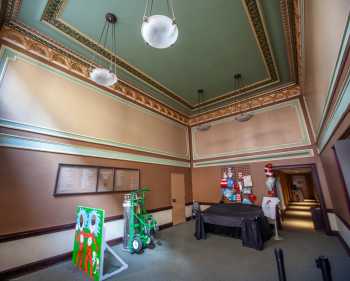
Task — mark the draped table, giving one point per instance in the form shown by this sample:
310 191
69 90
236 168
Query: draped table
246 222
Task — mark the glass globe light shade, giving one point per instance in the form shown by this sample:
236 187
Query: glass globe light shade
103 77
159 31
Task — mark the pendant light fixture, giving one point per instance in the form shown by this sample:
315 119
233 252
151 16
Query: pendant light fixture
159 31
107 76
245 116
206 126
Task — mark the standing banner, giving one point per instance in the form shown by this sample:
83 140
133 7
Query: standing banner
88 242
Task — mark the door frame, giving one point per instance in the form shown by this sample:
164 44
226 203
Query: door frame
171 193
316 181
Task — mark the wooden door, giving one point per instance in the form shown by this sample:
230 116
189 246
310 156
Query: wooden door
178 197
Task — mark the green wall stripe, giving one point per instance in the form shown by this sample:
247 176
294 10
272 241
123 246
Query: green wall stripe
341 108
335 74
256 158
19 142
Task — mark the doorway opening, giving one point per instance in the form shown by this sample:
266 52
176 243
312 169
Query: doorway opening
302 203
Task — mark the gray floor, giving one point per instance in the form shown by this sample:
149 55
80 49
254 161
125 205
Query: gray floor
182 257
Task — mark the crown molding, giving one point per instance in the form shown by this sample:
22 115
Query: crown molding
57 56
262 100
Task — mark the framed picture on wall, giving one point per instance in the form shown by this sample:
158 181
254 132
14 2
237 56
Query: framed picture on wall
83 179
127 179
105 180
73 179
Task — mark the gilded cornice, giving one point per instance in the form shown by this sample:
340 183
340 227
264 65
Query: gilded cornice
297 9
54 8
62 58
265 99
287 11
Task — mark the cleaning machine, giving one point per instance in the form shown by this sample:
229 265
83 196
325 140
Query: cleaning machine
139 227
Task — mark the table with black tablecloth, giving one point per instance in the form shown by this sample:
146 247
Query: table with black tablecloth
246 222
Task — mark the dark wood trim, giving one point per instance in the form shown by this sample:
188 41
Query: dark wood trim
41 264
160 209
115 241
189 204
164 226
58 228
34 266
207 203
330 211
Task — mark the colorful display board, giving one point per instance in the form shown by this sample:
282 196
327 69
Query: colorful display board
88 242
237 186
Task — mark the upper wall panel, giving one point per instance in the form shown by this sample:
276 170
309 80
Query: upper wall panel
38 98
324 26
275 127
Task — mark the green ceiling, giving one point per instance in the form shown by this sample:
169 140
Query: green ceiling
216 39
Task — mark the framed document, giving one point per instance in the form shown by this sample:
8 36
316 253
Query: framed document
105 180
82 179
127 179
73 179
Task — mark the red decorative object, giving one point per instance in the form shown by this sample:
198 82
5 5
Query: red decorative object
252 197
236 186
223 183
272 193
268 170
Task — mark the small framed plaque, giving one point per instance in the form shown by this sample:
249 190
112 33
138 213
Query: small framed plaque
127 179
105 179
75 180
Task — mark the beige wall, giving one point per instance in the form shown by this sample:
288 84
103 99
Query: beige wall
31 93
275 127
56 104
324 26
28 181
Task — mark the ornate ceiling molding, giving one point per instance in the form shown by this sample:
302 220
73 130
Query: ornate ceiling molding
34 43
265 99
54 9
258 24
298 23
61 58
288 23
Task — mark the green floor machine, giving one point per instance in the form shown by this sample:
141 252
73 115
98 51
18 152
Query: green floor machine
139 227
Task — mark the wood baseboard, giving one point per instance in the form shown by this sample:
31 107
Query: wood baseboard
41 264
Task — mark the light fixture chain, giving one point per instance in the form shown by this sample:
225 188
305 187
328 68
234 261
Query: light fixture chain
171 5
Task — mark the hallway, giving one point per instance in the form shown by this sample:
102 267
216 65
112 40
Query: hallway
298 215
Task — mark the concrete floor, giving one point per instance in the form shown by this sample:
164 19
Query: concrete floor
219 258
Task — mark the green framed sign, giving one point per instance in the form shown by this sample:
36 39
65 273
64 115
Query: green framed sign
88 241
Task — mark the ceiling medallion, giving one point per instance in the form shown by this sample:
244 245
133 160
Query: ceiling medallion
245 116
206 126
107 76
159 31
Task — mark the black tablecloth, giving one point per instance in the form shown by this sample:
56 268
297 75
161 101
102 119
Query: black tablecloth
242 221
